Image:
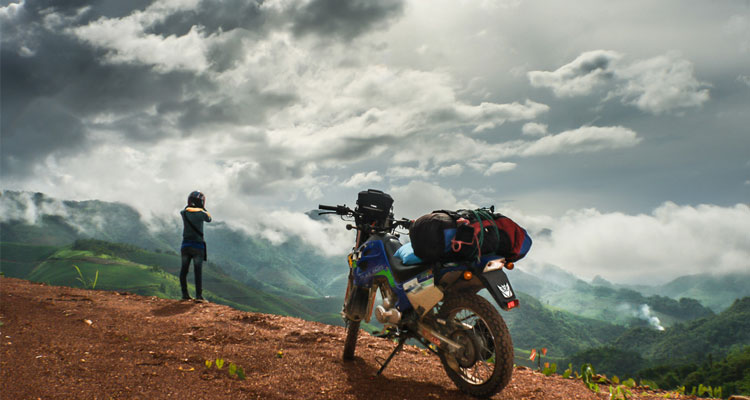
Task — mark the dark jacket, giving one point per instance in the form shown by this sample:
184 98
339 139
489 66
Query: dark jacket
196 216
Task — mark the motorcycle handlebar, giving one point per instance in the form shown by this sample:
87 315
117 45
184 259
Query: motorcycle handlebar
327 208
340 210
344 210
406 223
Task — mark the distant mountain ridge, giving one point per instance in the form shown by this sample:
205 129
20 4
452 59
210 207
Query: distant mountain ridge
35 218
621 303
294 266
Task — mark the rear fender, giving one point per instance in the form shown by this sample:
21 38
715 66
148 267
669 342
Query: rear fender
496 282
498 285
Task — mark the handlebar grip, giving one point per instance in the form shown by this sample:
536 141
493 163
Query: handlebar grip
327 208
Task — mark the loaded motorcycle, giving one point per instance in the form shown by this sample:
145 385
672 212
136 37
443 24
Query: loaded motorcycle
436 304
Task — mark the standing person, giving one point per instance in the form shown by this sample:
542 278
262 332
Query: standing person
193 244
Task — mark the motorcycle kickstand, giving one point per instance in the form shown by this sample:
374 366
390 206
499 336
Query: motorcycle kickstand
400 345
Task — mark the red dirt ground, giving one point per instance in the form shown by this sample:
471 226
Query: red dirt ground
66 343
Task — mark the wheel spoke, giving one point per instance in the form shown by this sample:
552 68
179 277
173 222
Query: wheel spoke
481 371
476 326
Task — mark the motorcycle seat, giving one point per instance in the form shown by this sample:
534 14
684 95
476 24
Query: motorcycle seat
401 272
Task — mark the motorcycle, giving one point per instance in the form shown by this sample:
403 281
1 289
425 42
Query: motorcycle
434 303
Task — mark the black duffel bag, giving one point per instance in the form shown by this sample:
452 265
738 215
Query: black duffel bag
428 236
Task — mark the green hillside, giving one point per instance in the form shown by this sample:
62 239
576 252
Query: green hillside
534 325
715 291
624 306
18 259
693 341
123 267
684 354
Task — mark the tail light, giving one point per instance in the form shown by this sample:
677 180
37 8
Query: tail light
512 304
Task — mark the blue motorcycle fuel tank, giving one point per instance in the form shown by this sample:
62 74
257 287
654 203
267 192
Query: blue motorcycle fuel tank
372 262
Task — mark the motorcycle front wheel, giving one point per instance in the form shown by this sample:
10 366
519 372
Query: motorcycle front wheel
485 365
352 331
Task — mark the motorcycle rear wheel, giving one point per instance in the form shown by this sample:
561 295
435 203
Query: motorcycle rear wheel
489 348
352 331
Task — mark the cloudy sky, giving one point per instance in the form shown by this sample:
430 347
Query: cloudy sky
617 132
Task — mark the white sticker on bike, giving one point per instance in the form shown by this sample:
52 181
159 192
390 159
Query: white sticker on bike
411 285
505 290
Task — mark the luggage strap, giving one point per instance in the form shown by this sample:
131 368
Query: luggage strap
483 217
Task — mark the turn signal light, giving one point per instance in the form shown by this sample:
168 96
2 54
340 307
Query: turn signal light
468 275
509 265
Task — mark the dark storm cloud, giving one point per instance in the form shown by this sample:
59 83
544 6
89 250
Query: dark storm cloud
46 96
269 176
51 82
54 84
42 128
215 15
343 18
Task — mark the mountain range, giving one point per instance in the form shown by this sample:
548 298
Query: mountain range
42 238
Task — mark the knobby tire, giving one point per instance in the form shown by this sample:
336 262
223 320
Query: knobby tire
502 346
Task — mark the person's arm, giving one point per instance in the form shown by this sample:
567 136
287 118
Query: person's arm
206 216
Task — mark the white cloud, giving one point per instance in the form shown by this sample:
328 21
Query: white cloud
417 198
491 169
671 241
498 167
584 139
451 170
128 41
25 208
489 115
661 84
488 158
579 77
534 129
655 85
362 178
744 79
406 172
330 237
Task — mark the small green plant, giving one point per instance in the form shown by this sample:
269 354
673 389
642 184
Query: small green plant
233 370
587 376
619 392
652 385
709 391
87 283
549 369
568 372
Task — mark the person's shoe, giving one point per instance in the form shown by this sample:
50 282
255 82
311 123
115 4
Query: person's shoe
200 299
186 297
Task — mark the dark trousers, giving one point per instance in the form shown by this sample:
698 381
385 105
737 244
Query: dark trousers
191 253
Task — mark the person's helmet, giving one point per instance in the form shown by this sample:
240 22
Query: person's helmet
196 199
